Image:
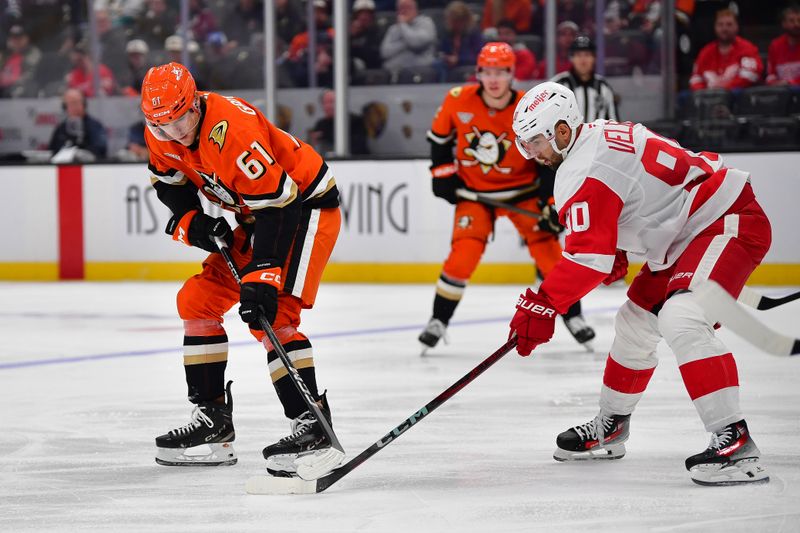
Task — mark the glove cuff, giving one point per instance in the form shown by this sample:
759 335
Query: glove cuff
179 228
271 275
444 171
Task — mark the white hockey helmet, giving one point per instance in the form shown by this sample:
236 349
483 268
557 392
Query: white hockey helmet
539 111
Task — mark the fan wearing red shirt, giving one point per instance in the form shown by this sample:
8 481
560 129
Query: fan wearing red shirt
730 62
783 61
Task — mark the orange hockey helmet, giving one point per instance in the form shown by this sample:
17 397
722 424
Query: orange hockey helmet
168 96
497 55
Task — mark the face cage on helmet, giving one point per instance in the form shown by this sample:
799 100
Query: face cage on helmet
178 128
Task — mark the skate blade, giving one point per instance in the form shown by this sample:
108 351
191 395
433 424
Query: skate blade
317 464
217 454
265 484
595 454
742 472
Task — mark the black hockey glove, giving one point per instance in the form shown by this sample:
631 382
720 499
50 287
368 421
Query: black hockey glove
549 221
258 294
446 182
198 229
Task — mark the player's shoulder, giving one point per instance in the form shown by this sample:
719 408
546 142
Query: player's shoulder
227 121
462 93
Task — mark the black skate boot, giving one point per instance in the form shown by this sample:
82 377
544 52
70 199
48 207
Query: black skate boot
580 330
435 330
732 458
601 438
205 441
307 452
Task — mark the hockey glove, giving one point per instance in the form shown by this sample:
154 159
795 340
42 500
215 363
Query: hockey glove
446 182
198 229
549 221
534 322
619 269
258 295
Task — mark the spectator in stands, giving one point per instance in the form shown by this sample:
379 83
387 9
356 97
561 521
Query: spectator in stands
22 58
322 132
80 77
220 63
730 62
288 20
365 37
595 96
297 59
173 46
566 32
783 61
411 41
137 146
525 68
298 47
78 129
517 11
137 65
462 40
245 19
112 43
202 21
157 23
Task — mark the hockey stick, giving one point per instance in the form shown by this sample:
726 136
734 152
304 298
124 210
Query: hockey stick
721 307
277 485
476 197
293 374
758 301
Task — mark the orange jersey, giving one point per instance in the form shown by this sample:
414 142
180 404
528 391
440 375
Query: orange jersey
486 158
241 161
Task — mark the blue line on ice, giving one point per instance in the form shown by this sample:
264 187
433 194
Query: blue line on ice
333 334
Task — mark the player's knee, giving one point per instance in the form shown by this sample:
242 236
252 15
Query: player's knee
636 333
464 258
184 301
682 322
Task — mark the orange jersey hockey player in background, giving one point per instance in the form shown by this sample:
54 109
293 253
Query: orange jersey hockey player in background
476 120
286 203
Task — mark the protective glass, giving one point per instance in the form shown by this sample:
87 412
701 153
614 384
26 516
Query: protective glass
177 129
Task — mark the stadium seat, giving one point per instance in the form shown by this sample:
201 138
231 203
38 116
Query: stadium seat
764 101
777 132
417 75
461 74
714 135
671 129
372 76
708 104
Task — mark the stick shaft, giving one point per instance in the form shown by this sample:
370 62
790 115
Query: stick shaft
476 197
298 382
328 480
758 301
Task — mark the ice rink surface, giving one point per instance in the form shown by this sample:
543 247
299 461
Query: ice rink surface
90 373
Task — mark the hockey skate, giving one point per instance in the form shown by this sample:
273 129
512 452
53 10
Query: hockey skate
580 331
307 451
430 336
732 458
601 438
205 441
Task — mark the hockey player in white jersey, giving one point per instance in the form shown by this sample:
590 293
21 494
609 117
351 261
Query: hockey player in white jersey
622 188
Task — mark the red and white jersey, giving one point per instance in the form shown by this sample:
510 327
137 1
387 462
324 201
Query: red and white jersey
740 67
624 187
783 61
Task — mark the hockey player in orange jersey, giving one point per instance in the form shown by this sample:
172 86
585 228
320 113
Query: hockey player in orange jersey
476 120
286 203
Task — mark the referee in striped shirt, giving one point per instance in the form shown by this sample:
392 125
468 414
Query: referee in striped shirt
595 96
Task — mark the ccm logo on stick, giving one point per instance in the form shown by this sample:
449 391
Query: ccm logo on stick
535 308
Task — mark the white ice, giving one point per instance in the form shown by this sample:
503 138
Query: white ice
90 373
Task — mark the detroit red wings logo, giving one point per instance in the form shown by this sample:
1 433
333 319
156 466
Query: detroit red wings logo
486 150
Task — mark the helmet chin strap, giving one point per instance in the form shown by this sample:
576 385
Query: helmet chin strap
563 152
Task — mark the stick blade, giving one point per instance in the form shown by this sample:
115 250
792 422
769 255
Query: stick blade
273 485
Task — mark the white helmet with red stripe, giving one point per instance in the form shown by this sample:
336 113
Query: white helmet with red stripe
538 113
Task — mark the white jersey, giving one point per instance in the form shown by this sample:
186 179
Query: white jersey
624 187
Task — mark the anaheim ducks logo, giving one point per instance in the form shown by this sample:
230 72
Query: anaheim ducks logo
218 132
218 193
486 150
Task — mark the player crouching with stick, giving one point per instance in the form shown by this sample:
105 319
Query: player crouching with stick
621 188
286 202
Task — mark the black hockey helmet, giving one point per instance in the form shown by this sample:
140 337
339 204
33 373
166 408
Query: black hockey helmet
582 42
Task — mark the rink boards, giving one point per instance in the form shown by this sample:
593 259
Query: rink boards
104 222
